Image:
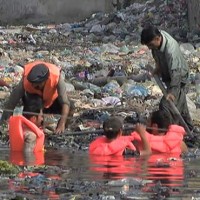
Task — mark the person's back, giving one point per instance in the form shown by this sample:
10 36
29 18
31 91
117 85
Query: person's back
113 143
164 59
166 52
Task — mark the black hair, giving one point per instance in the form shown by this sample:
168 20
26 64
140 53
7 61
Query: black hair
112 127
161 118
38 74
33 104
148 34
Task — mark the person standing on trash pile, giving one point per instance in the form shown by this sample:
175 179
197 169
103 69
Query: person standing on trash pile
113 143
171 67
164 137
46 80
25 132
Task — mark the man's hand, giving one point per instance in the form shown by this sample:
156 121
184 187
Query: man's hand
156 71
140 128
60 127
170 96
153 71
62 122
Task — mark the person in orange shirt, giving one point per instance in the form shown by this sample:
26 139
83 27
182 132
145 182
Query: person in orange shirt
170 141
113 143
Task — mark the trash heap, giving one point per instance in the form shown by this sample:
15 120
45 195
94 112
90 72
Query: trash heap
102 58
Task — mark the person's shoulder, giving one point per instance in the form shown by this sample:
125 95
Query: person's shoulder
176 129
99 139
166 34
171 43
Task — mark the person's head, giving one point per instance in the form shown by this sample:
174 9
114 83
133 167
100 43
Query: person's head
151 37
159 120
113 127
33 110
38 76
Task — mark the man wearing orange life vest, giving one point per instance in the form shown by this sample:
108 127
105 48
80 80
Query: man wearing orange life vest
113 143
47 81
161 142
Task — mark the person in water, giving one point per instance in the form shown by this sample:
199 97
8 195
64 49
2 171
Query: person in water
26 132
160 140
114 143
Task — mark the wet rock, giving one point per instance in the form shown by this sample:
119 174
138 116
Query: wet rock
63 190
128 181
4 95
187 48
107 197
69 87
197 45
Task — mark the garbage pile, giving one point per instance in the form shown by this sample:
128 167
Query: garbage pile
102 58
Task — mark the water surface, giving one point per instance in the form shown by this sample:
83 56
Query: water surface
80 176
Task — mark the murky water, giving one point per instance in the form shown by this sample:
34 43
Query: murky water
80 176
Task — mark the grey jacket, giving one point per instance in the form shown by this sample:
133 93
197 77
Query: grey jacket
19 91
172 65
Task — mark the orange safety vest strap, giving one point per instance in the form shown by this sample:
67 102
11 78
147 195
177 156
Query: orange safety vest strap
169 143
16 133
101 146
50 92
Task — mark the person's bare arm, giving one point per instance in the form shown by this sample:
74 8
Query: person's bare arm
61 124
141 130
13 100
64 101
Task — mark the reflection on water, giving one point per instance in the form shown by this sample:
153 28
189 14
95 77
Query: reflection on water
162 174
28 158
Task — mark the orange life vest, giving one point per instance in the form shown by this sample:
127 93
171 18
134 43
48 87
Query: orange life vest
16 133
50 92
102 146
168 143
